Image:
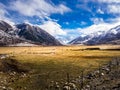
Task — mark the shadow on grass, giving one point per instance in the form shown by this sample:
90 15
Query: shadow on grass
37 76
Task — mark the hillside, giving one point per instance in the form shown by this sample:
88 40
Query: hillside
111 36
22 33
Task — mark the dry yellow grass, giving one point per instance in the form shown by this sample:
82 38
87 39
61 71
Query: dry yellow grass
63 54
57 61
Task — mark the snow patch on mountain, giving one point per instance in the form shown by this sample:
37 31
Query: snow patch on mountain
99 37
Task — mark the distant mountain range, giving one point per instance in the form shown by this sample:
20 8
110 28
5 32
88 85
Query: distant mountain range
111 36
24 33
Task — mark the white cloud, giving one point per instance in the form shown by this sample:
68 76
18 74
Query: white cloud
66 35
112 6
114 9
109 1
99 27
40 8
100 11
3 13
84 6
53 28
115 20
71 34
97 20
63 35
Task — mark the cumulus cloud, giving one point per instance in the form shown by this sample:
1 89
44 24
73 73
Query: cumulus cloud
56 30
53 28
112 6
114 9
40 8
63 35
99 27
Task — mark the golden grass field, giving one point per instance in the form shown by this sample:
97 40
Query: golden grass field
75 55
59 60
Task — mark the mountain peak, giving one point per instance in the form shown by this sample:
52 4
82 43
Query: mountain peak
28 33
100 37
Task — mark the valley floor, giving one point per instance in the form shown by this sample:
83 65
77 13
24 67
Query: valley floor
57 68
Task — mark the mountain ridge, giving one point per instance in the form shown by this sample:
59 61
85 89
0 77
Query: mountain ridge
22 33
111 36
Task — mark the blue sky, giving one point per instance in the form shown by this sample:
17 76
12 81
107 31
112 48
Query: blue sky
64 19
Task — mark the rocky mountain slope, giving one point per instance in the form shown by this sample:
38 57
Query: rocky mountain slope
36 35
5 37
111 36
22 33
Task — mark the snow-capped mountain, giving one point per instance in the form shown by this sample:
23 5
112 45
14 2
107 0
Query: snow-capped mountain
5 37
23 33
5 26
111 36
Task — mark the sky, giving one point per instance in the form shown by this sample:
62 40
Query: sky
64 19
